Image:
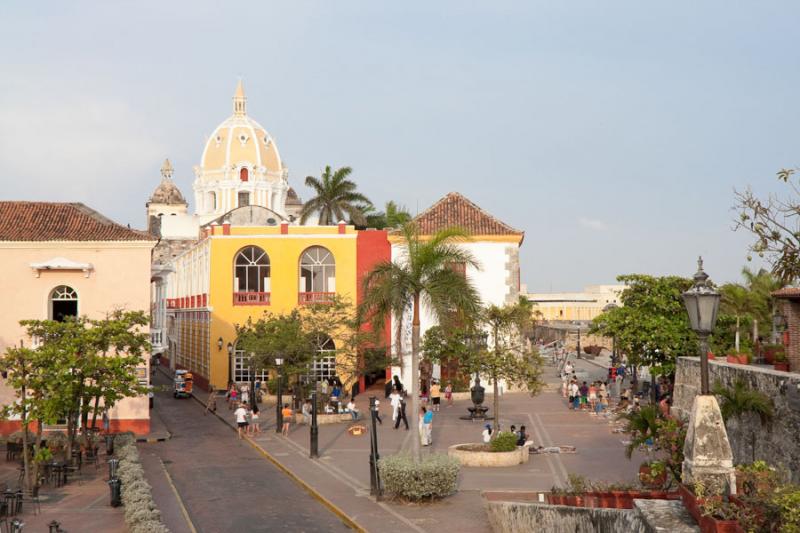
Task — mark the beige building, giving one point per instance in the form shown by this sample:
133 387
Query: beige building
65 259
570 306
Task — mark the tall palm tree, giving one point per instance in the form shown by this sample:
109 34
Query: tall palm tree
393 216
738 301
336 198
423 274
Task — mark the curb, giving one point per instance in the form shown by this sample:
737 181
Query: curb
335 509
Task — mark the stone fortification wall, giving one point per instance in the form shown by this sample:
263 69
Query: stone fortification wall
776 443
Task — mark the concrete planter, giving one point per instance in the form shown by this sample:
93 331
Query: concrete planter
467 455
323 419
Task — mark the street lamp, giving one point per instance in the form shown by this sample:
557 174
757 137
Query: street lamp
252 381
220 342
314 448
702 304
611 307
278 406
374 473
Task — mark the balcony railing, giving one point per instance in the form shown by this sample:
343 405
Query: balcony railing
156 337
251 298
308 298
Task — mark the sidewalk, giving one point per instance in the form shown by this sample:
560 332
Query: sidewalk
158 430
341 475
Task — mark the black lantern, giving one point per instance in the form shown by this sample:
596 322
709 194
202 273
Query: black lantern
220 342
702 305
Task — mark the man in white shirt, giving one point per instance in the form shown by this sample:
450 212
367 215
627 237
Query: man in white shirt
351 406
241 419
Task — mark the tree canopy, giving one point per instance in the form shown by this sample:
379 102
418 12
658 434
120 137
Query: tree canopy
336 198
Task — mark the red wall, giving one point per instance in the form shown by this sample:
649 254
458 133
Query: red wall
372 247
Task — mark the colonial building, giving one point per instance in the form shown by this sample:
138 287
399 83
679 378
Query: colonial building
66 259
492 242
575 306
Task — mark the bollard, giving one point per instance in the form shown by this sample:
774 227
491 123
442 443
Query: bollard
116 488
109 444
17 525
113 464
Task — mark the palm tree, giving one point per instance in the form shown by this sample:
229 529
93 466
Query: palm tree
336 198
738 301
423 273
762 284
393 216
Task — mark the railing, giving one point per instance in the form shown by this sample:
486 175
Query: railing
307 298
156 337
251 298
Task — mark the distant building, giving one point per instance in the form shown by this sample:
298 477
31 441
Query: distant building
571 306
65 259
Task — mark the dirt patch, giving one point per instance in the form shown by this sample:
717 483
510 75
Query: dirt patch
475 447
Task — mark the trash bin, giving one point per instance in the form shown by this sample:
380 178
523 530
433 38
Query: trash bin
116 489
109 444
113 464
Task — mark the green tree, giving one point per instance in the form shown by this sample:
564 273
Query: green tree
336 198
393 216
423 273
736 301
762 284
651 326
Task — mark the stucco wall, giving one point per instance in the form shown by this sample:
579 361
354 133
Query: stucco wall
776 443
120 279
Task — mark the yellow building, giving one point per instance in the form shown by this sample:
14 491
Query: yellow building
571 306
243 266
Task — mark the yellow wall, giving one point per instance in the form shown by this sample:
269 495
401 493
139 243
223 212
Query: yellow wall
284 254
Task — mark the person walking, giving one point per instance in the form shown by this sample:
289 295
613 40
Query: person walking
351 407
401 413
378 411
233 398
394 401
427 427
286 412
448 394
255 424
246 395
397 385
211 404
241 420
436 395
306 412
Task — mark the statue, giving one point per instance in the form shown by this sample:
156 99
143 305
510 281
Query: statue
477 411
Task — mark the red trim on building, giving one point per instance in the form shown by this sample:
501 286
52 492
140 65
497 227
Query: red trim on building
372 247
284 228
226 229
342 228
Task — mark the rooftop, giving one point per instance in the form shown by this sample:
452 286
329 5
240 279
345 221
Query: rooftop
456 210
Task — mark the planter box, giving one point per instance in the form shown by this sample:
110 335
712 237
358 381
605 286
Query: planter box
482 458
323 419
738 359
707 524
617 499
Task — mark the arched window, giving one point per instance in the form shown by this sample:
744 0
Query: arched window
244 174
63 303
317 276
251 283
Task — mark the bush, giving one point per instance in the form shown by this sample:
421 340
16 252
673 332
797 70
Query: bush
141 513
435 477
505 441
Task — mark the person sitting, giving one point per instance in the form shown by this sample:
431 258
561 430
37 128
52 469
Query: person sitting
329 410
336 393
522 436
487 433
351 406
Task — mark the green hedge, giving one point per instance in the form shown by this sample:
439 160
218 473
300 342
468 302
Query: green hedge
435 477
141 513
505 441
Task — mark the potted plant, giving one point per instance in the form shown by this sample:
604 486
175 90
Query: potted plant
781 363
756 478
653 474
771 350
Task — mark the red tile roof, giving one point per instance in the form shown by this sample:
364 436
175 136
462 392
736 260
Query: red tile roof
53 221
456 210
787 292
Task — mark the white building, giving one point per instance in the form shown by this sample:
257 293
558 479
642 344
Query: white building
493 243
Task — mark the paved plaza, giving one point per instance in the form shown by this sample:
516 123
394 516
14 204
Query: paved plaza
341 474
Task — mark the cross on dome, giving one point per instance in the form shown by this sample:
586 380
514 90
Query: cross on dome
239 100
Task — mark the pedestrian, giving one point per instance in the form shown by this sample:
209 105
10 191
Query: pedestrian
397 384
592 396
448 394
436 395
401 413
522 436
575 396
394 401
584 390
351 406
106 422
255 424
234 397
564 385
286 413
427 427
241 419
336 393
487 433
305 410
324 389
211 404
246 395
568 368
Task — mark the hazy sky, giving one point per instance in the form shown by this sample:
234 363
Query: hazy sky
612 133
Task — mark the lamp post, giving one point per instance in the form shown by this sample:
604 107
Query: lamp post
314 448
374 474
252 381
611 307
702 304
278 406
578 347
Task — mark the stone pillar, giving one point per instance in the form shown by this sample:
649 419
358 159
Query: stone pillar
707 452
790 309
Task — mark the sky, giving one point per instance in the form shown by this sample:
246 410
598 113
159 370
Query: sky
613 133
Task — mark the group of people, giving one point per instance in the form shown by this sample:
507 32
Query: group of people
399 401
522 434
247 420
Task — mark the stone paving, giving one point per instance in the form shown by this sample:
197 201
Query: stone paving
342 474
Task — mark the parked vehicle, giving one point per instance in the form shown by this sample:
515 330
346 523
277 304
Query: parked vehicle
183 384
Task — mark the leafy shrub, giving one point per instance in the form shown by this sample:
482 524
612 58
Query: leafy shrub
505 441
789 504
436 476
141 513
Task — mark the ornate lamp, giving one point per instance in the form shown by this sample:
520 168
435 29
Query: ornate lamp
278 406
702 305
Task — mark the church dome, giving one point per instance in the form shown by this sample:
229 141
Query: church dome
167 193
240 142
292 198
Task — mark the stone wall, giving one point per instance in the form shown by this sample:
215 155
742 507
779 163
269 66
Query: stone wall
776 443
513 517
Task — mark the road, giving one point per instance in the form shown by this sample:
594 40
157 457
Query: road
224 484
